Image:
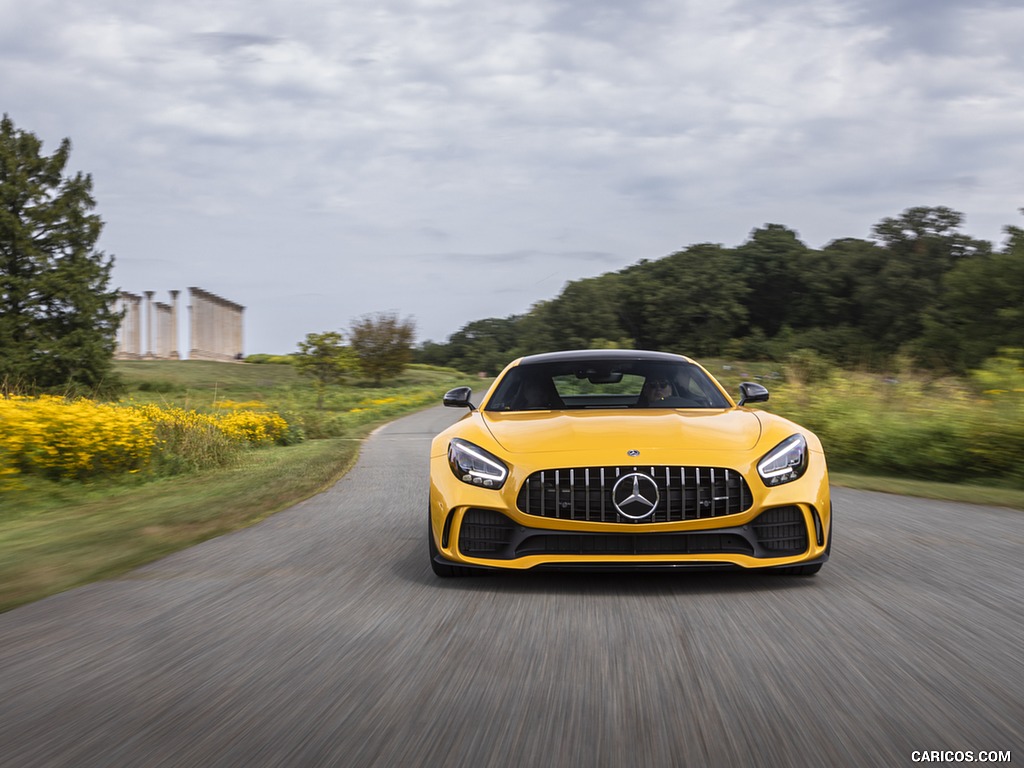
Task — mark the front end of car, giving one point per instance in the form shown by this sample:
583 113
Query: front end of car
609 491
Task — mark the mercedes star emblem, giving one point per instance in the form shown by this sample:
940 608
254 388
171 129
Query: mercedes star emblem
635 496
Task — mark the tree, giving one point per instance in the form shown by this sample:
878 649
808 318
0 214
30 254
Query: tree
585 310
383 344
483 345
920 247
828 315
979 311
772 262
57 320
689 302
324 358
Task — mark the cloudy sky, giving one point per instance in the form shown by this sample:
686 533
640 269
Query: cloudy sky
448 160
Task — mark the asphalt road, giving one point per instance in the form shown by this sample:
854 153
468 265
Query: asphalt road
320 637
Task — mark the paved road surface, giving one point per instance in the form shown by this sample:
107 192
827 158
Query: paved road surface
320 637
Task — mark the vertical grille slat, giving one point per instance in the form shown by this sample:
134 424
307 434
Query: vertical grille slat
668 485
585 493
586 480
558 489
726 494
542 494
714 495
572 494
698 485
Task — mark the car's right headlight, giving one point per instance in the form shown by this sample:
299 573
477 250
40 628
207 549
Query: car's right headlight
784 463
475 466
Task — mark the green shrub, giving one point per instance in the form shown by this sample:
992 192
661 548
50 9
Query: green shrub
805 366
261 359
318 425
183 447
911 426
157 386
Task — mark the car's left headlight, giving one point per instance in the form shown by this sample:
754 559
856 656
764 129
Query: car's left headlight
784 463
475 466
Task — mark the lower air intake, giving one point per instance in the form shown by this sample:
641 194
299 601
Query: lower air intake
781 531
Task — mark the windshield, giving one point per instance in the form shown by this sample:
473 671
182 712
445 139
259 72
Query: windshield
605 384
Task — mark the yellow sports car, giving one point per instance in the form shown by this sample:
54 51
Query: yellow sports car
607 459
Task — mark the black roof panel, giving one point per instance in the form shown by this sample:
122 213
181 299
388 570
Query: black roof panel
602 354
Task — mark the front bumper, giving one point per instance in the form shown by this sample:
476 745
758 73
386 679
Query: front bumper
783 526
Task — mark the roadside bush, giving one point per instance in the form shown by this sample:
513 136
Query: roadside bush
805 366
56 438
261 359
911 426
186 445
157 386
253 428
61 439
322 425
295 432
996 437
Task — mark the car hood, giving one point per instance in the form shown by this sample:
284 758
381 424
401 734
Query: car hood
553 431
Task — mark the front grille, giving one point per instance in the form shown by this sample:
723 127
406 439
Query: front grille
585 493
781 531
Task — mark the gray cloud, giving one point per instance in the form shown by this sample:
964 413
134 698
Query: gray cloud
454 160
234 41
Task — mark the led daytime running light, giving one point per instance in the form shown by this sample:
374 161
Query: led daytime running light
475 466
785 463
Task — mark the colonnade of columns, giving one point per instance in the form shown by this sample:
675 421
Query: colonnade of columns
149 329
215 325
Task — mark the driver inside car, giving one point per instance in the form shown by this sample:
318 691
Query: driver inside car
656 390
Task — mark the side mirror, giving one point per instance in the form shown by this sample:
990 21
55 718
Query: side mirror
752 393
459 398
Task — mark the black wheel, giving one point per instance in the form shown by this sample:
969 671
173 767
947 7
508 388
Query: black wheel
442 569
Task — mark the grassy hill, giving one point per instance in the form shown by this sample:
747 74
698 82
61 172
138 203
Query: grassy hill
203 375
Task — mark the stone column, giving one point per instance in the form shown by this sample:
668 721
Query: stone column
163 330
149 325
132 338
238 336
217 326
119 307
193 323
173 351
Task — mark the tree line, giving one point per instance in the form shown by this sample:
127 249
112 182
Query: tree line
919 288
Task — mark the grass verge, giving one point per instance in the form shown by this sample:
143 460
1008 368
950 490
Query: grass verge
55 535
970 494
64 536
